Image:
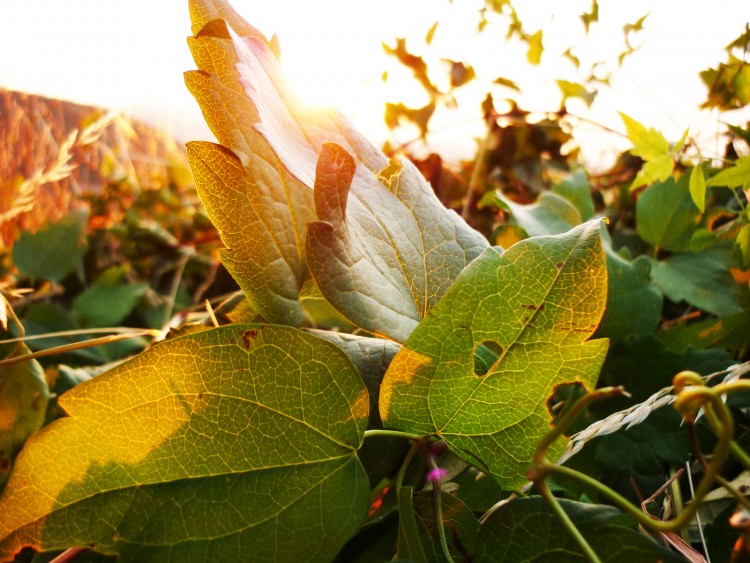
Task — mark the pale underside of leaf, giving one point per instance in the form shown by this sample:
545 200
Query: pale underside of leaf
537 304
212 446
383 255
295 131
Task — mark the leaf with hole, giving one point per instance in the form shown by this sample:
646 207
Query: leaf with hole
532 308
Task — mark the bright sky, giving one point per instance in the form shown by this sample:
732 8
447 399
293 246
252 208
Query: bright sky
130 54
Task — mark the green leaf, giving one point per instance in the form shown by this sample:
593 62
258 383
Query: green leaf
577 191
214 445
409 540
702 279
527 530
736 176
732 333
634 303
108 301
742 244
666 216
53 251
698 188
23 403
551 214
534 54
537 304
477 490
383 255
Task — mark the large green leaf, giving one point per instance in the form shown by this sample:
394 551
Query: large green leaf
533 307
527 530
215 446
383 255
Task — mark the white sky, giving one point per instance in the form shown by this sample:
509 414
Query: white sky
131 54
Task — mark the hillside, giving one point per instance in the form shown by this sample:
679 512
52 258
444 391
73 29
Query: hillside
54 151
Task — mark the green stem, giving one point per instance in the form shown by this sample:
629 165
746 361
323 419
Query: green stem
739 454
405 465
439 513
393 434
567 523
716 412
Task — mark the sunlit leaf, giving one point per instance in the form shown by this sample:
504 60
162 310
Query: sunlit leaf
420 117
53 251
527 530
576 90
383 254
534 54
414 62
507 82
215 445
23 403
460 73
698 188
260 209
736 176
431 33
592 16
648 143
536 304
568 54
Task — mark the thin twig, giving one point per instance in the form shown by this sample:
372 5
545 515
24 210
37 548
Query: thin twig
76 346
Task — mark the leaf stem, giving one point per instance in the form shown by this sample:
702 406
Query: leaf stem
393 434
567 523
437 498
404 466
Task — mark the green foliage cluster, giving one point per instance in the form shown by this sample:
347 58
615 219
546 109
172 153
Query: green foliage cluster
405 362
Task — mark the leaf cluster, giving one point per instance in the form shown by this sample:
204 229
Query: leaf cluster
405 347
